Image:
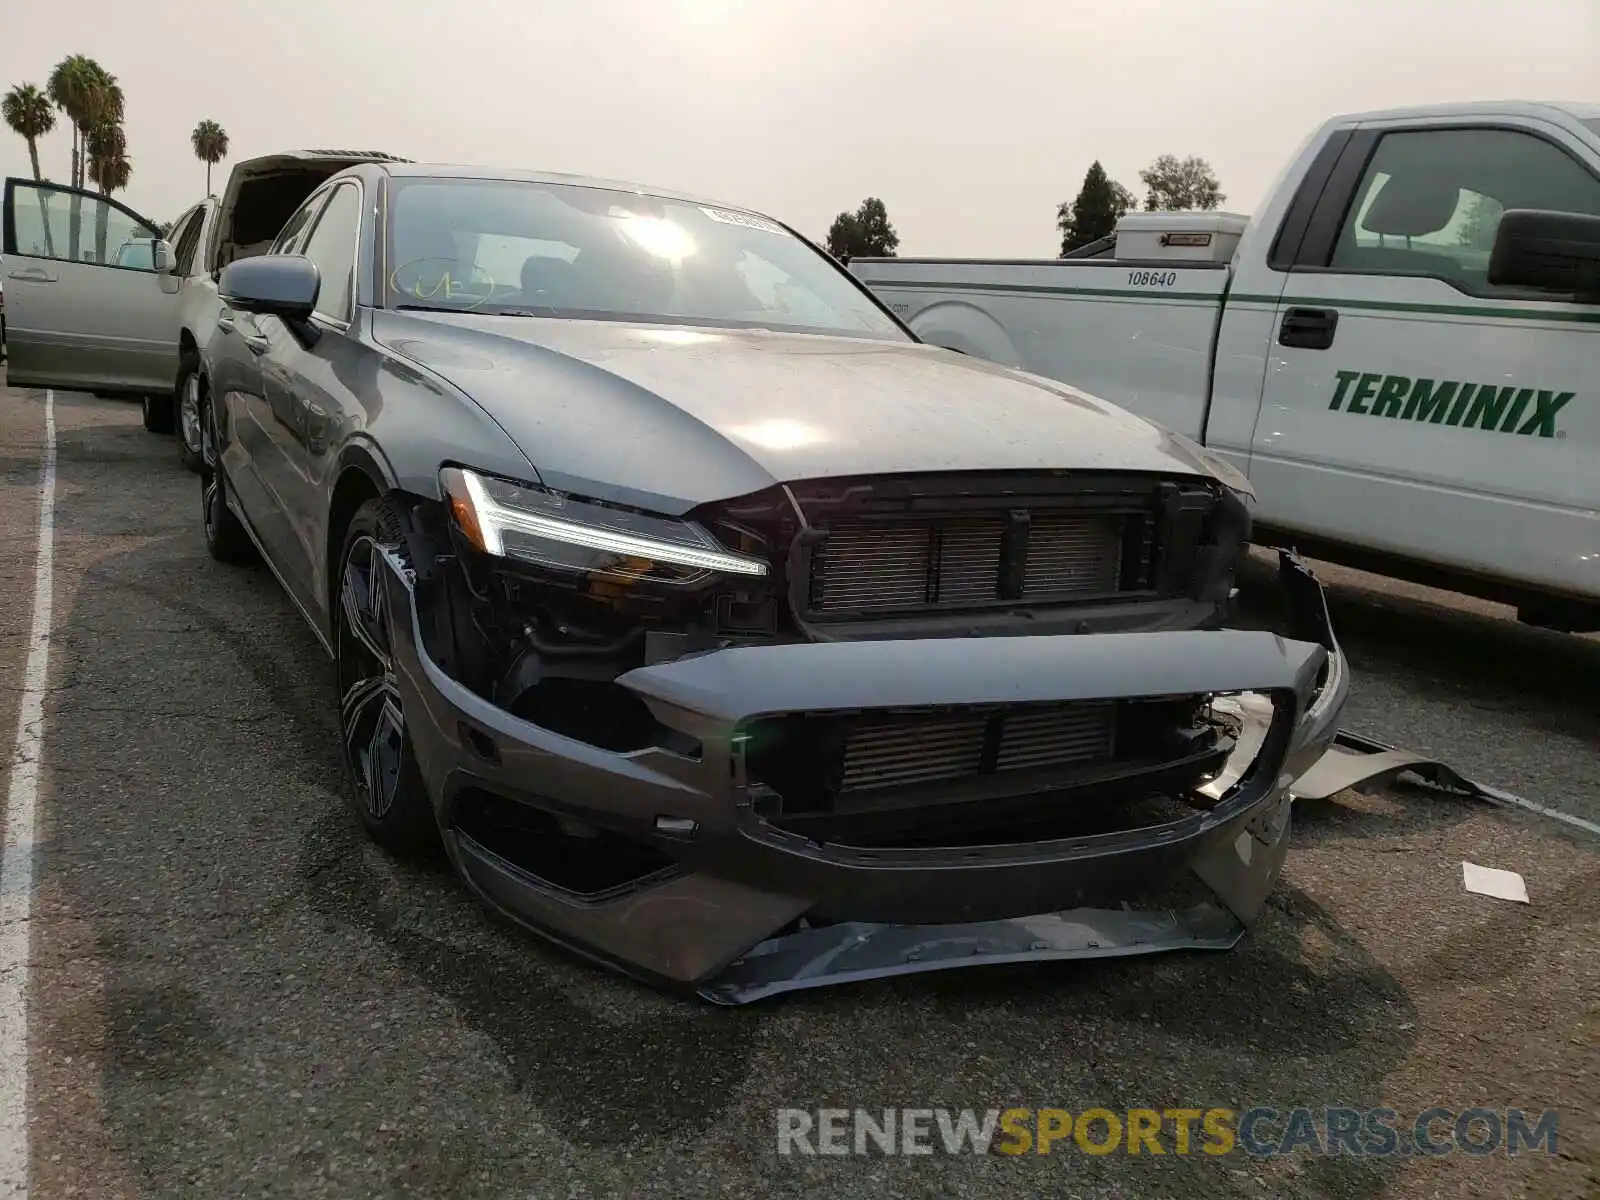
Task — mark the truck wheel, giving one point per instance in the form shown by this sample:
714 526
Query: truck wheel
186 397
158 414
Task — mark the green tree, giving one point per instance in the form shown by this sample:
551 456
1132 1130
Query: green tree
210 142
28 113
1481 223
1174 185
68 87
90 97
865 233
1093 215
106 148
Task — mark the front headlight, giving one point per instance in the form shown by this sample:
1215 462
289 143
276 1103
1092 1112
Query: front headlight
512 520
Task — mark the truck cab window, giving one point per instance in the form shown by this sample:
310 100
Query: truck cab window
1431 200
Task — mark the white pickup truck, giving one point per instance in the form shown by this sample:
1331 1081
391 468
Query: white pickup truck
1401 350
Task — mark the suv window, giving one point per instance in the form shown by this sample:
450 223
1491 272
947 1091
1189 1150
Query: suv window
74 227
186 240
332 246
296 223
1430 201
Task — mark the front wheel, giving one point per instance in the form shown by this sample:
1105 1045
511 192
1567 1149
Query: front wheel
187 395
386 784
226 538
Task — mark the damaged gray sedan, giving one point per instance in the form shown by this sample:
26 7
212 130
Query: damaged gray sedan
721 631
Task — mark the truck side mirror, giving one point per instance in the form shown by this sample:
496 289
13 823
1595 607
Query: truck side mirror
1548 252
162 257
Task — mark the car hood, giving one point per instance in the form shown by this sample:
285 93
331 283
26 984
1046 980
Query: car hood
668 417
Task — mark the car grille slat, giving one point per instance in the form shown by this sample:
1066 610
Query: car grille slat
1075 553
896 752
878 567
969 561
1056 737
902 752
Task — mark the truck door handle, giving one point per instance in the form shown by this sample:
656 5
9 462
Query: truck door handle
33 275
257 343
1308 328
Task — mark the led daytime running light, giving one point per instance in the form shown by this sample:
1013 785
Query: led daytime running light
493 518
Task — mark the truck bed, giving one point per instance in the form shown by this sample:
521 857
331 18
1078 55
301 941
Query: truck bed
1137 334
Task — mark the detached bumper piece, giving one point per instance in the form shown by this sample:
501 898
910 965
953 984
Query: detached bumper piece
814 813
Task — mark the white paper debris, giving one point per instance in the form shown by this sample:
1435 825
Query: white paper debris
1487 881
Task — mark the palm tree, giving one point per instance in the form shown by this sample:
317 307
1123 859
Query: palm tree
210 142
69 86
107 155
27 111
106 148
90 97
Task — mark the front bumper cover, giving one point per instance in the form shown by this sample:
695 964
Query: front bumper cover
717 920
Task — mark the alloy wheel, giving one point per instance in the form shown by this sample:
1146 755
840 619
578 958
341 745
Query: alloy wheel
372 724
189 413
210 476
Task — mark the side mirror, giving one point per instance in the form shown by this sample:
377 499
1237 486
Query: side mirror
1548 252
163 257
284 285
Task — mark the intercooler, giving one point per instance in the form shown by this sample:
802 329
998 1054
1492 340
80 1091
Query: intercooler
884 566
894 752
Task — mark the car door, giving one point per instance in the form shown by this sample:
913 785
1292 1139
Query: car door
252 443
75 318
1409 405
304 391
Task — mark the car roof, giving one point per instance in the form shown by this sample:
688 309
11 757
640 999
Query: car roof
407 170
1529 108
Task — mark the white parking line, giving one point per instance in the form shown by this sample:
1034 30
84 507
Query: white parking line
16 863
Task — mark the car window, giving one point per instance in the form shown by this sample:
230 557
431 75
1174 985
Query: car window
332 246
566 250
141 256
185 240
73 227
1431 200
296 224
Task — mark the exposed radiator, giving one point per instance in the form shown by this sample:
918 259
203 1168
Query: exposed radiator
895 752
884 566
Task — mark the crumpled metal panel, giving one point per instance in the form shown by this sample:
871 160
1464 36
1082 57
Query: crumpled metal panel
855 951
1354 759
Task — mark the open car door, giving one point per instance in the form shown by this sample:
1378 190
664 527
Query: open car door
91 293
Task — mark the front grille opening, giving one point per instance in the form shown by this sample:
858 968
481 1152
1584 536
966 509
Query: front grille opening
600 712
985 776
884 566
563 854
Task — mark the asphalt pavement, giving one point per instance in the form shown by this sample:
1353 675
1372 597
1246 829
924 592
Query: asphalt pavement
233 994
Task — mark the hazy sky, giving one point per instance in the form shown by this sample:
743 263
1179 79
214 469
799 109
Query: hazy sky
971 119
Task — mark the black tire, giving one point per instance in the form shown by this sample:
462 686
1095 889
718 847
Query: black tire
158 414
186 412
226 538
385 784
